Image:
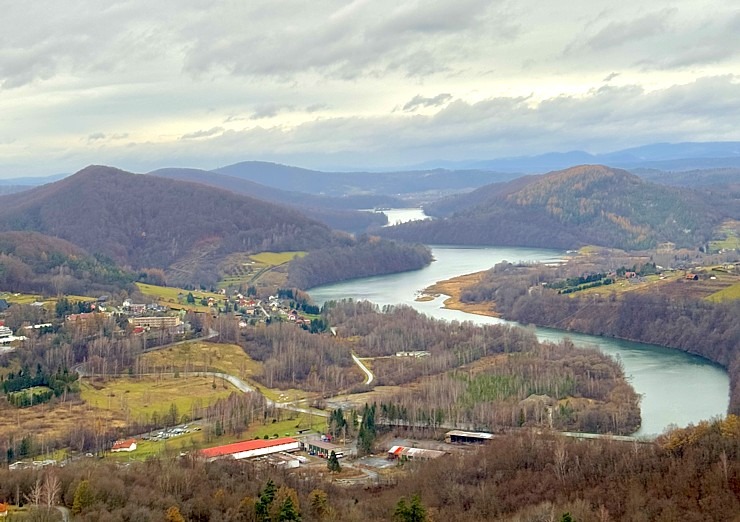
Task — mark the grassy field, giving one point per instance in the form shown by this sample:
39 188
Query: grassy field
200 356
276 258
263 270
169 296
726 294
136 398
728 237
17 298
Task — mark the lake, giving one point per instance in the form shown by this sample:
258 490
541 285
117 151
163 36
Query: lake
676 388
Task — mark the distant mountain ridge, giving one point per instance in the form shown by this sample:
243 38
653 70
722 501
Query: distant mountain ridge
588 204
662 156
336 212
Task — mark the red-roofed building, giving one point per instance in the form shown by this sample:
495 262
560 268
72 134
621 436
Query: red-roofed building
251 448
124 445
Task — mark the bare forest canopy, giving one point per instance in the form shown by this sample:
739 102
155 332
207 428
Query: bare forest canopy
689 474
368 256
340 213
698 326
145 221
35 263
585 389
566 209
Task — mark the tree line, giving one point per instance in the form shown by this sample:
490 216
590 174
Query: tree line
368 256
687 474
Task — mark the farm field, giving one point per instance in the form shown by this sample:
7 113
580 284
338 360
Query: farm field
170 296
18 298
200 356
136 398
260 270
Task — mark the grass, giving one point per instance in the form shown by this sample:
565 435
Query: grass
141 397
200 356
25 299
169 296
287 426
276 258
726 294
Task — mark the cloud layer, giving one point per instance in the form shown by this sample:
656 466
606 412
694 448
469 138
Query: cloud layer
142 85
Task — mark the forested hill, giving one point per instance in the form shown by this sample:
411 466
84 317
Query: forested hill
35 263
343 183
589 204
145 221
336 212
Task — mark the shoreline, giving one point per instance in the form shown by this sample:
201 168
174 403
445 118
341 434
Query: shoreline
452 288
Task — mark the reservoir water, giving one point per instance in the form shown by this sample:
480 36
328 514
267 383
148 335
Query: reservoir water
676 388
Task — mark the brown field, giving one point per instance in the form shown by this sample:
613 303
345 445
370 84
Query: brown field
453 288
53 420
200 356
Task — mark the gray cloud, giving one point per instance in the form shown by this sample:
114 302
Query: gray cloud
214 131
420 101
317 83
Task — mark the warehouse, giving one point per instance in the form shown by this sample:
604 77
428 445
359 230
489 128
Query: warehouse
251 448
405 453
467 437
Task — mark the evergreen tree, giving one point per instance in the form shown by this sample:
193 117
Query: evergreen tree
333 463
83 497
366 436
288 511
414 511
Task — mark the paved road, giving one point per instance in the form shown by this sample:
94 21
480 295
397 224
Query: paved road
368 373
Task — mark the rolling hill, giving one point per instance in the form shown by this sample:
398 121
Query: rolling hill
362 183
146 221
336 212
31 262
588 204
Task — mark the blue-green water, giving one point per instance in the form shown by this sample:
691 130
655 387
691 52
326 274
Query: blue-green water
676 388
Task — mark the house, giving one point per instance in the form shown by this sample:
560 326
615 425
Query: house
692 277
124 445
3 510
4 305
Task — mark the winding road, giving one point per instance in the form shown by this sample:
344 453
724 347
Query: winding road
369 375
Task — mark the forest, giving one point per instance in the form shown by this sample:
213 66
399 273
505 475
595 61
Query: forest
698 326
35 263
692 474
585 205
522 379
367 256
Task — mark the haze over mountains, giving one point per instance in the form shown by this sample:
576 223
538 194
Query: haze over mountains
186 220
589 204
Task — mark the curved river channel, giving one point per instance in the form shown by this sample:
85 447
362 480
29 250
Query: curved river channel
676 388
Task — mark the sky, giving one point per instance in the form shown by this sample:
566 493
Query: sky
373 84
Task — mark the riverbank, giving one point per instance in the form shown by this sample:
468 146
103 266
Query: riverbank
452 288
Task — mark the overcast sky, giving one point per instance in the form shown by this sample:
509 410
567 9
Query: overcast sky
366 83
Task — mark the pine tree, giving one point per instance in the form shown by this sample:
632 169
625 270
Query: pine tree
411 512
83 497
333 463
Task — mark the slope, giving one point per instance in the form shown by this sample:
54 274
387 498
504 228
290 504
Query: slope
589 204
145 221
337 213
